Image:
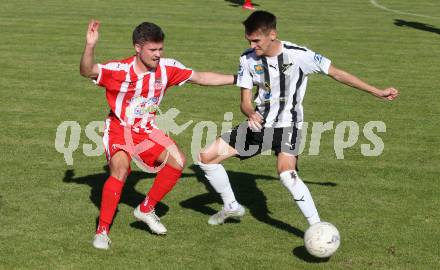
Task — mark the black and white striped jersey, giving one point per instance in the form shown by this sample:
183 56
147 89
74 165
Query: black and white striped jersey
281 82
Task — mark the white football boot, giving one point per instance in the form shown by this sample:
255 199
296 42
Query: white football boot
151 219
101 241
222 215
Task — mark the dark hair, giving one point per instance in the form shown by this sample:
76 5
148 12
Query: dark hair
260 20
147 31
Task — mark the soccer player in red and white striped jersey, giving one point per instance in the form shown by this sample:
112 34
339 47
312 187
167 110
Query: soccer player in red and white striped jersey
135 87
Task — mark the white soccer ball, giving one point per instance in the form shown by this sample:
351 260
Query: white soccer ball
322 239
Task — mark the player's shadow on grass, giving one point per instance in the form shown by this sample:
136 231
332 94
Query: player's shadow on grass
130 196
418 26
239 3
248 194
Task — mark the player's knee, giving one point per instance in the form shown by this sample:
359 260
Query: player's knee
119 166
201 158
284 168
182 160
205 158
286 165
177 161
120 172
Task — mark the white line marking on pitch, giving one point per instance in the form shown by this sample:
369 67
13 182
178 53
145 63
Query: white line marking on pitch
374 3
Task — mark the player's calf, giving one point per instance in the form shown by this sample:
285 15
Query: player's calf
301 195
165 180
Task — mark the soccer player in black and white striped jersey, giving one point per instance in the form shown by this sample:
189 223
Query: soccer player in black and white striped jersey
279 70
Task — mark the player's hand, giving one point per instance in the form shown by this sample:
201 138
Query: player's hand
389 93
255 122
92 33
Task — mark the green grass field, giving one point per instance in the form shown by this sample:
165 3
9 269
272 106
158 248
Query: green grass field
386 207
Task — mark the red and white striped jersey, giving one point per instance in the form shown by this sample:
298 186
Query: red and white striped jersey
134 98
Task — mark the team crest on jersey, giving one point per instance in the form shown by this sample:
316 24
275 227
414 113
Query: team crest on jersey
267 85
285 67
158 84
259 69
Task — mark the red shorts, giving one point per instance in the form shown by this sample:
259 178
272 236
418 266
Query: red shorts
146 146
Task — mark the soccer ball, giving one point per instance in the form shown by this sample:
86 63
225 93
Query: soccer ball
322 239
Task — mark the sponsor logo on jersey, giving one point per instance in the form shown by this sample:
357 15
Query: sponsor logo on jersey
272 66
140 107
259 69
317 58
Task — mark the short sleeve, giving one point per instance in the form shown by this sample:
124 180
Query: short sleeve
177 73
312 62
244 76
105 74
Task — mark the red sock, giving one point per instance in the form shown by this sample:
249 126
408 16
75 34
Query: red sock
111 193
165 180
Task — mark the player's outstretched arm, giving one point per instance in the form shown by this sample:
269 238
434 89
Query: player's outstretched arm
88 68
211 78
344 77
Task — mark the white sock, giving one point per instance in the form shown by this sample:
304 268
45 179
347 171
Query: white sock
219 180
301 195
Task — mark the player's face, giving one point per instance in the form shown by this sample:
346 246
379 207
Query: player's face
261 42
149 53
